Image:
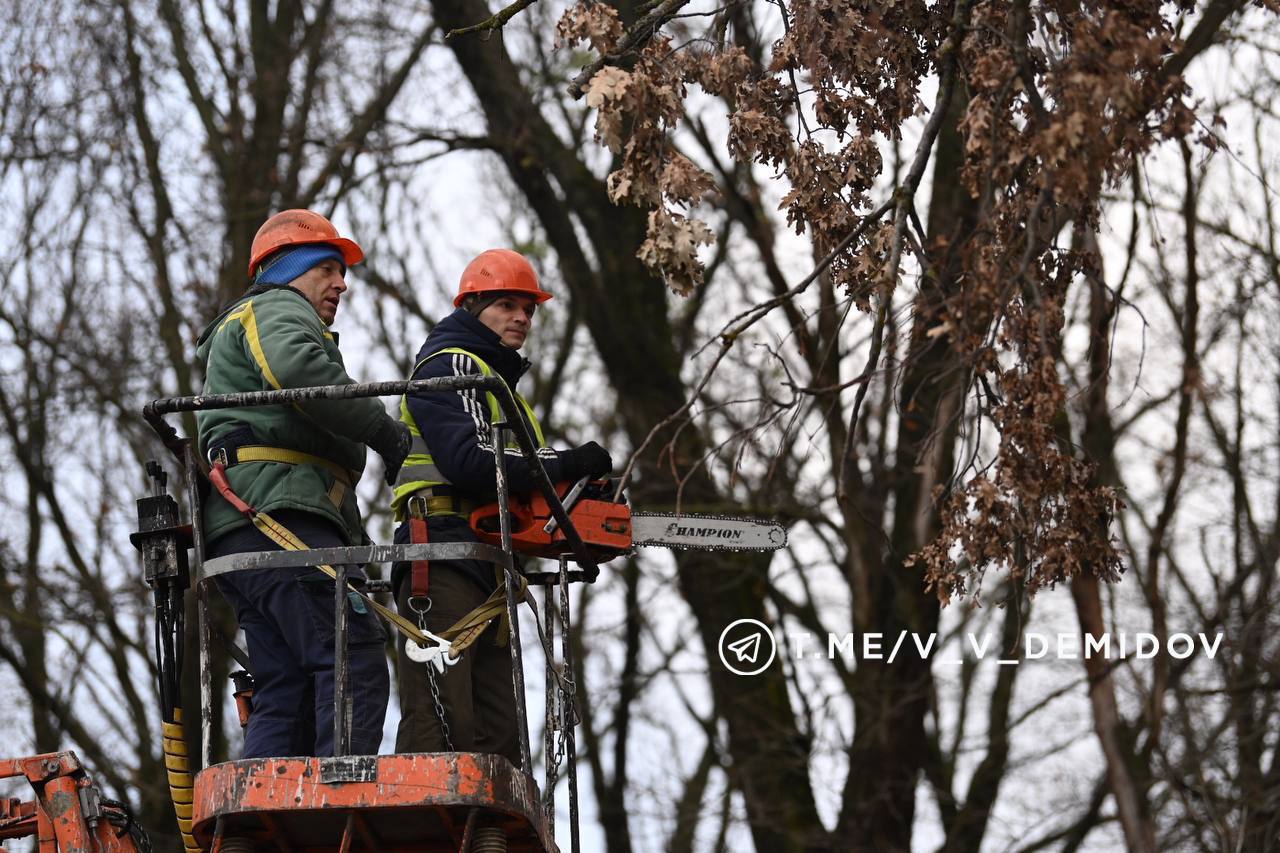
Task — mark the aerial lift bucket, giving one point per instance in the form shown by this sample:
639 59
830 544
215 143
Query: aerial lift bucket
419 802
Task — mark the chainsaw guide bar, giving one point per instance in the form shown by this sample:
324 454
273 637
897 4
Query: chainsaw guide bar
706 532
612 529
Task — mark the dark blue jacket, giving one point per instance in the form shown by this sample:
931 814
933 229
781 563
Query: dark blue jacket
455 424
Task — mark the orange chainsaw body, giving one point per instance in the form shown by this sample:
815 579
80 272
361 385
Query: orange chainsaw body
605 527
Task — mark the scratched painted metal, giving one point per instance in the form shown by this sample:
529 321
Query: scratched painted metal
17 818
64 795
155 411
412 801
353 555
63 807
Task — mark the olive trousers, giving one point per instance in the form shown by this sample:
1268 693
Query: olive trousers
476 693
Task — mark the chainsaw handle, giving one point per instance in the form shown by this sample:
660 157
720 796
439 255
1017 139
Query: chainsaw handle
484 519
570 498
605 528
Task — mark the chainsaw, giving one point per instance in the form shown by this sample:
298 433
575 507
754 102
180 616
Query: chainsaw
610 528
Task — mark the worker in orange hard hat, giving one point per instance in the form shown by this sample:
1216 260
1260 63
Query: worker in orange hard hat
299 463
450 471
290 229
499 271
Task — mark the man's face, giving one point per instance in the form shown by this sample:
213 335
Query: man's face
323 285
510 316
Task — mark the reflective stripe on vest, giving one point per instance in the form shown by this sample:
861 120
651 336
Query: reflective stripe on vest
419 470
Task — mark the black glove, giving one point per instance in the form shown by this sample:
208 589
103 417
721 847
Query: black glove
391 441
588 459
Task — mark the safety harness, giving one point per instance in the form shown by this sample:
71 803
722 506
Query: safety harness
459 636
422 491
419 475
420 507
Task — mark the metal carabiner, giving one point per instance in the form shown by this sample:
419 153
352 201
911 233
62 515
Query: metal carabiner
421 612
433 650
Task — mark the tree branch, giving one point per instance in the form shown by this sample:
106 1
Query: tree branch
495 22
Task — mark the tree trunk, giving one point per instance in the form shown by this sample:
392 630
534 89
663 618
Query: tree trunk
890 700
625 310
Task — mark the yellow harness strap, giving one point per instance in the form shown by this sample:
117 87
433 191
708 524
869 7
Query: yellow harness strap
263 453
463 633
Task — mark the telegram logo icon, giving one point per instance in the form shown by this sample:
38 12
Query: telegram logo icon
747 647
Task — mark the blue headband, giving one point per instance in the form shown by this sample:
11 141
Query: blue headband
286 265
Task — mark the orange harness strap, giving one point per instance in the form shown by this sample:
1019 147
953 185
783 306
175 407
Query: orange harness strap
420 572
218 476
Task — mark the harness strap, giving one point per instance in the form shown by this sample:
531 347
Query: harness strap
462 633
419 570
218 476
229 454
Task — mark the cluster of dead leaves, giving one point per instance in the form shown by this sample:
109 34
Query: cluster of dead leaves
637 110
1056 98
862 64
1045 130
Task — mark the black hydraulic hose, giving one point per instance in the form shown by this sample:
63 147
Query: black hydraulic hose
170 626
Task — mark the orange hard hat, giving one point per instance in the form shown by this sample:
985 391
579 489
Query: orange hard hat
299 227
500 270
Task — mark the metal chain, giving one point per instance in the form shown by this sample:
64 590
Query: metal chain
568 711
557 755
435 697
567 717
435 688
565 687
564 682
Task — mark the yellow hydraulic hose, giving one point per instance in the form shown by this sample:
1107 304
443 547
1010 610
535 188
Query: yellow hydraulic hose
181 782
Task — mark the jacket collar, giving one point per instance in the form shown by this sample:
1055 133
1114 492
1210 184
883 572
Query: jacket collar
464 330
253 290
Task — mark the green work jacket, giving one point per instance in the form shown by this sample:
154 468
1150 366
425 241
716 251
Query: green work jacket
269 340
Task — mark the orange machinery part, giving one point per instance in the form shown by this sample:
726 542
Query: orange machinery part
18 818
605 527
57 814
391 803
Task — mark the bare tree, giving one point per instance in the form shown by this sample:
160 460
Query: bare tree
906 324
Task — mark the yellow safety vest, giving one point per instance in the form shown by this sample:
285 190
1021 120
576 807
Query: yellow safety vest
419 470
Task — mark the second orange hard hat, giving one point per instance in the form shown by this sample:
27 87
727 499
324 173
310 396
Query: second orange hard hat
500 270
299 227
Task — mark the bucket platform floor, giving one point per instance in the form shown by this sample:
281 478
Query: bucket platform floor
420 802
